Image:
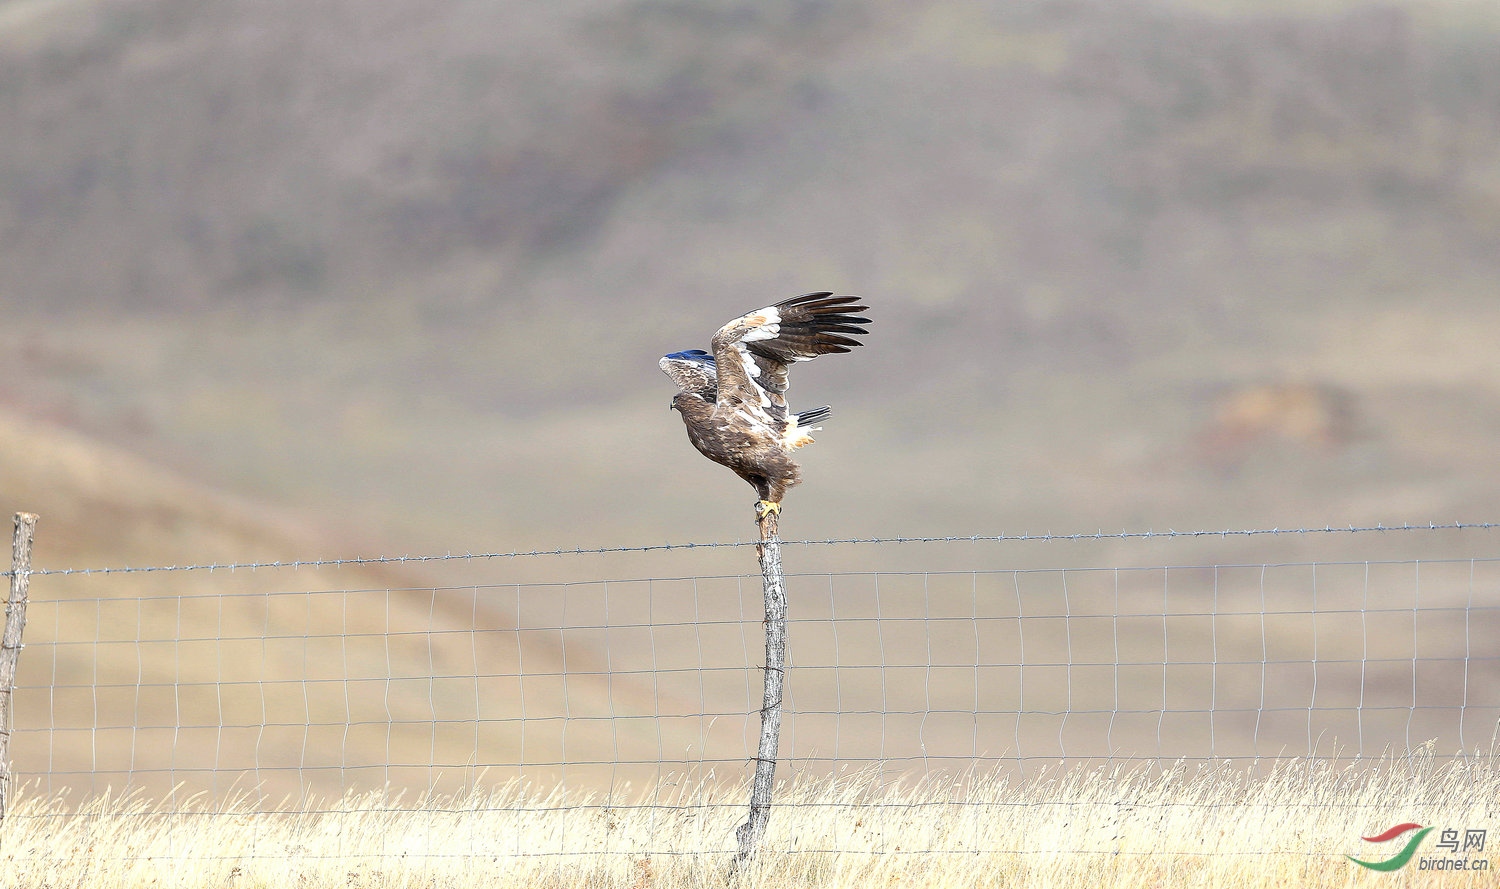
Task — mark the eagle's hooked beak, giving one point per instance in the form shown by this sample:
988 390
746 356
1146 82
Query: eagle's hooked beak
672 405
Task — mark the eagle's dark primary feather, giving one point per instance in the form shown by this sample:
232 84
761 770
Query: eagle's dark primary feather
733 401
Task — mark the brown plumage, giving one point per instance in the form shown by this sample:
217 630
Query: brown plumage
733 401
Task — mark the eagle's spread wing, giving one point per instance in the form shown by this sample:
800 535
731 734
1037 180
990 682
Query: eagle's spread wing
752 352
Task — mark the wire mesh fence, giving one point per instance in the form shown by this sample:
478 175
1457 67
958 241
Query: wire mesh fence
268 688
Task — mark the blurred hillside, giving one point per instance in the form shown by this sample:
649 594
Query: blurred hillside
404 269
282 680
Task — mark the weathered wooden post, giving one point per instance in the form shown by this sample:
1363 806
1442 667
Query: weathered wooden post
769 550
733 403
10 643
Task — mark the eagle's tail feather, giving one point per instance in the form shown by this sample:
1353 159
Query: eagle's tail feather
816 415
799 431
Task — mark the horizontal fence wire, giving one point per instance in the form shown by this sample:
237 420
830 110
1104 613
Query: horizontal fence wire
574 702
706 545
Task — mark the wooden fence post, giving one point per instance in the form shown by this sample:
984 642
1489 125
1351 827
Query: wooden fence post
769 550
10 644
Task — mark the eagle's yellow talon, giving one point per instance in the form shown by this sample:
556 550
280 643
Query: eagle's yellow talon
764 508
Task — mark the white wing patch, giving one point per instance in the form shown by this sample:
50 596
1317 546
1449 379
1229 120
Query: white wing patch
752 370
763 332
767 323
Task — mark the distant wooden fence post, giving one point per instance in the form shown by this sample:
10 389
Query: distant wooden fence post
10 644
769 551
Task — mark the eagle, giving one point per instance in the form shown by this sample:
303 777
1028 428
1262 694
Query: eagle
733 399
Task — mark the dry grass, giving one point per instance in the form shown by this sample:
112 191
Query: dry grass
1220 826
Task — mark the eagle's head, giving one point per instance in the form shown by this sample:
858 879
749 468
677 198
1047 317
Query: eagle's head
693 371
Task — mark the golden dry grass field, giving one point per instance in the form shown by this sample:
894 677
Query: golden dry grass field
1294 826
